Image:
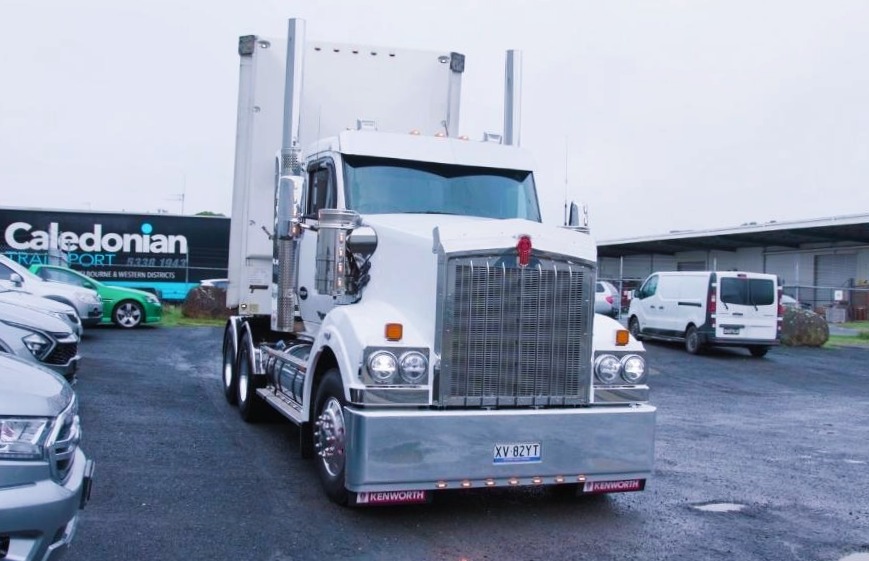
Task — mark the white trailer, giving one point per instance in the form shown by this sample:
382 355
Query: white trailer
399 297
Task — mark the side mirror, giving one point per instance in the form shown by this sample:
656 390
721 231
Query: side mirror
16 279
88 284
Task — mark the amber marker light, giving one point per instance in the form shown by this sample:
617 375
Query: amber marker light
580 478
394 331
490 483
623 336
441 484
536 480
466 483
514 481
559 479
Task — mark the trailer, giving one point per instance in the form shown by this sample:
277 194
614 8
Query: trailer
165 254
399 297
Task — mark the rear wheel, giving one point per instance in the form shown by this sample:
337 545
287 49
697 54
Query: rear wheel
758 351
250 405
229 378
330 437
128 314
692 340
634 327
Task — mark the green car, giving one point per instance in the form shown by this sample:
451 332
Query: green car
125 307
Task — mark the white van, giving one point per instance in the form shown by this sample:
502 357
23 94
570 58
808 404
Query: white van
709 308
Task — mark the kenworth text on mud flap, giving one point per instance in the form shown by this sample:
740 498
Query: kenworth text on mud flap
399 297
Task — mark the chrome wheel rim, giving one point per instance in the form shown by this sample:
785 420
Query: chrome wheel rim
128 315
330 437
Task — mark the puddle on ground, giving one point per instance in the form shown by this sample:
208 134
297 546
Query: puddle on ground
725 507
856 557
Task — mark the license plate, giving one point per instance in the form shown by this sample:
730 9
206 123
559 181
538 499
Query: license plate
517 453
731 331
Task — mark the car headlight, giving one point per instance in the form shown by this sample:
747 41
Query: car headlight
607 368
87 298
22 439
382 367
413 366
151 299
633 369
37 344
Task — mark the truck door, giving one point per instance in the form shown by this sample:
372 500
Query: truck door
321 191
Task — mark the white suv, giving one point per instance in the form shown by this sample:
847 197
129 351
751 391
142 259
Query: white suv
86 302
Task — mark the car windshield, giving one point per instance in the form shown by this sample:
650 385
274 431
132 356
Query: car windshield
382 186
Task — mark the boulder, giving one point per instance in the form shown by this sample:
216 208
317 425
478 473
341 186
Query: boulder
804 328
205 302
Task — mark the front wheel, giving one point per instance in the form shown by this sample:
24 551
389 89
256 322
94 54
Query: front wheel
330 437
692 340
128 314
634 327
758 351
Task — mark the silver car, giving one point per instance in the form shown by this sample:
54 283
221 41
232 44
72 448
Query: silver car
39 338
57 309
86 302
45 477
606 299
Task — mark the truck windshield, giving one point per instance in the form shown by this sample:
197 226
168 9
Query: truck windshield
383 185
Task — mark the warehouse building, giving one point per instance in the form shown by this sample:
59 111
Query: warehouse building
823 263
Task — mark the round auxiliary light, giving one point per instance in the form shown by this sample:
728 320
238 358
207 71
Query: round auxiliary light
607 368
413 367
633 368
382 367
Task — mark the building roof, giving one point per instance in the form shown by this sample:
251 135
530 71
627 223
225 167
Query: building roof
852 228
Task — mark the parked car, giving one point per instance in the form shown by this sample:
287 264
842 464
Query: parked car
45 477
217 283
86 302
125 307
708 308
59 310
39 338
606 299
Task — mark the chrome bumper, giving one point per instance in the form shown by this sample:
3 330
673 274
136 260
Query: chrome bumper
414 450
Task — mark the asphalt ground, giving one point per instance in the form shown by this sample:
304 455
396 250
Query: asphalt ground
764 459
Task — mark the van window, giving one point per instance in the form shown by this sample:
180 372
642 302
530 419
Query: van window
747 292
649 287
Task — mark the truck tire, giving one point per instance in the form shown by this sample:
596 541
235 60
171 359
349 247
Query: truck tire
330 436
692 340
250 406
228 376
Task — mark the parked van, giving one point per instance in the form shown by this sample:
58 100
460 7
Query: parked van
709 308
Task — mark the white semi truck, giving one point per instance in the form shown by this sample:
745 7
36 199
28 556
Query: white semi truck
399 297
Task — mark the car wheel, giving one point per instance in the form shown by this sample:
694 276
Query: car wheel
692 340
128 314
229 377
758 351
250 405
330 437
634 328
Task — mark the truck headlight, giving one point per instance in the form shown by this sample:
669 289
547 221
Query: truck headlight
633 369
382 367
607 368
22 439
413 366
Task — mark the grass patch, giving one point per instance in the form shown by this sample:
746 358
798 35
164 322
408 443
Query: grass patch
860 340
859 325
172 317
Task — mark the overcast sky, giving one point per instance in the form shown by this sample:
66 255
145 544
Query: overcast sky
660 115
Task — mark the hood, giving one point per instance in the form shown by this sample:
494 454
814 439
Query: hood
35 319
20 298
120 292
41 287
30 390
467 233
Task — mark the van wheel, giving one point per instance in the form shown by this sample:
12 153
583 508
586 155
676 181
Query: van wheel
634 328
758 351
330 437
692 340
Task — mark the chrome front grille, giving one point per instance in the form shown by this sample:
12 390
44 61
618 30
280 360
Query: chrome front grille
515 337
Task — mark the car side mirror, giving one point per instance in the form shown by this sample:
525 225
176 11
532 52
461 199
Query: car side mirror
16 279
88 284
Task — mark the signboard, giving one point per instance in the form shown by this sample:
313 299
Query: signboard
166 254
